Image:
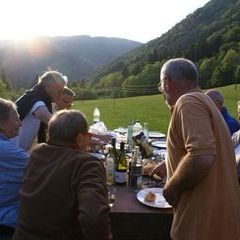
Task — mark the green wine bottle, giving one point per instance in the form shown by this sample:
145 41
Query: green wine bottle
121 166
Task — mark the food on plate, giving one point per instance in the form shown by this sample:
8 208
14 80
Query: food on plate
156 177
150 197
147 166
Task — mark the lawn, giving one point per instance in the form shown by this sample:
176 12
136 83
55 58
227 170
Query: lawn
120 112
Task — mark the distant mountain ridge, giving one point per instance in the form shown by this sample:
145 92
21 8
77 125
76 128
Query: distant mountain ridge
210 37
75 56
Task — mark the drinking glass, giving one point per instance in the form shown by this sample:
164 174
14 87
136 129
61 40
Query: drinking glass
111 194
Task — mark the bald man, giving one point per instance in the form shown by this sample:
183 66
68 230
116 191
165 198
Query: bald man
217 98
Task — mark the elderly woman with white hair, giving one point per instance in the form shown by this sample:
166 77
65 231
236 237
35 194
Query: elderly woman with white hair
13 162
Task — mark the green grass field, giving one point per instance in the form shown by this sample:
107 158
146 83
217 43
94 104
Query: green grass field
120 112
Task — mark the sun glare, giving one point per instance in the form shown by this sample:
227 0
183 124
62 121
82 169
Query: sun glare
25 19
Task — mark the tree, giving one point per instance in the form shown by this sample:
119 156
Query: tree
229 65
206 69
3 90
237 76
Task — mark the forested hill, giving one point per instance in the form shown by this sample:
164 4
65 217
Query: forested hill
75 56
210 37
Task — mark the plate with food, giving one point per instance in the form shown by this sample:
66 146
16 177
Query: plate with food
153 197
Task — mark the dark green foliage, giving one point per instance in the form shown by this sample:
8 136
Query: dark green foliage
210 37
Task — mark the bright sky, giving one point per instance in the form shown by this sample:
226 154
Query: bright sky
139 20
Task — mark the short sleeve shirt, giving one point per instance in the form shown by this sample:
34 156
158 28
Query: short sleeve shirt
197 128
29 129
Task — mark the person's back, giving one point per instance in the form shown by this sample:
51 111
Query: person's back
216 197
64 195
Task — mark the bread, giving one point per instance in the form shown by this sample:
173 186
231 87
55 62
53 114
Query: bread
147 166
150 197
156 177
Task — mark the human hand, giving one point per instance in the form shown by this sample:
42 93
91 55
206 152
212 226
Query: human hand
98 142
159 170
171 195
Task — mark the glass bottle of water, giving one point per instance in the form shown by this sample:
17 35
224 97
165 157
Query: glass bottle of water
145 130
96 115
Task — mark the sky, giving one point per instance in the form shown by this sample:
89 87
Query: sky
138 20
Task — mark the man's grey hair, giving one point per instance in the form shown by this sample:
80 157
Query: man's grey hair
180 70
6 107
215 95
52 77
65 125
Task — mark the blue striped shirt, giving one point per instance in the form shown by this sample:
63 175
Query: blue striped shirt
13 162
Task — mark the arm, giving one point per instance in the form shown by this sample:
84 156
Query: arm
189 173
42 114
193 125
160 170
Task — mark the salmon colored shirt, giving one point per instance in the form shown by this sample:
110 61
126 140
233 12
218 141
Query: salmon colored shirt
211 209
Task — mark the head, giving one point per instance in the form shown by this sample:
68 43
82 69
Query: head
217 98
9 119
177 77
54 83
69 128
66 99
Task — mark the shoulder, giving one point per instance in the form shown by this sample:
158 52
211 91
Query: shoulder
9 150
88 160
191 98
37 105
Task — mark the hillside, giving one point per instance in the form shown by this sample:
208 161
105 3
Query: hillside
76 56
120 112
210 37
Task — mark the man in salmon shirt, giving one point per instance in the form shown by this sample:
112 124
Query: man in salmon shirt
202 184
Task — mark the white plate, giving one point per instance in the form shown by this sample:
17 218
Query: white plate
153 134
160 201
159 144
120 130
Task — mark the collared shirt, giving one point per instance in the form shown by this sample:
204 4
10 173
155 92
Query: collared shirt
13 162
211 209
232 123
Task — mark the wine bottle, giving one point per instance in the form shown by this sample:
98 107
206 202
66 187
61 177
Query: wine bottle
109 166
136 170
144 146
121 166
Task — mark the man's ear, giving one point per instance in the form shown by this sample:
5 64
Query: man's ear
79 140
82 142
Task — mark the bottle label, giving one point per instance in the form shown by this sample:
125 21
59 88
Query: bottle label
120 177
